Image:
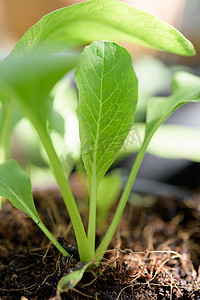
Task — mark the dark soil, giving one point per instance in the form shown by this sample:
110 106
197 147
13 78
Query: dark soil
154 255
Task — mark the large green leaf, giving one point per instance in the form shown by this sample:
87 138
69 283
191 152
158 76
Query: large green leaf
102 19
107 100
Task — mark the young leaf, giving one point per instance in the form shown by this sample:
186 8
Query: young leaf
108 91
186 88
107 87
102 19
69 281
15 185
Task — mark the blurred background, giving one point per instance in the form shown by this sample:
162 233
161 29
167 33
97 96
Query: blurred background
154 70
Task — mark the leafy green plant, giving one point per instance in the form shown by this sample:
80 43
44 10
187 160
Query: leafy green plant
108 92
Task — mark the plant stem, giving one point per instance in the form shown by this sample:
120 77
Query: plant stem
52 239
82 241
6 117
92 215
123 200
7 109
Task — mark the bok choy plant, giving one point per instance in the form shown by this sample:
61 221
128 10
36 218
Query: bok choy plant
108 95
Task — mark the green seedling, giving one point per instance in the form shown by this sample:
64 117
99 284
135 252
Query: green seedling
108 94
69 281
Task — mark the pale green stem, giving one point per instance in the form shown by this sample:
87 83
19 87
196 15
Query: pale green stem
92 215
66 192
123 200
52 239
6 117
47 232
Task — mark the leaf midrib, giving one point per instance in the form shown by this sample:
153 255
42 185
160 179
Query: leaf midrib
94 164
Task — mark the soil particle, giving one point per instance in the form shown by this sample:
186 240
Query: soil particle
153 256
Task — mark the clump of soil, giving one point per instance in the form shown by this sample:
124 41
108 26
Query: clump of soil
154 254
